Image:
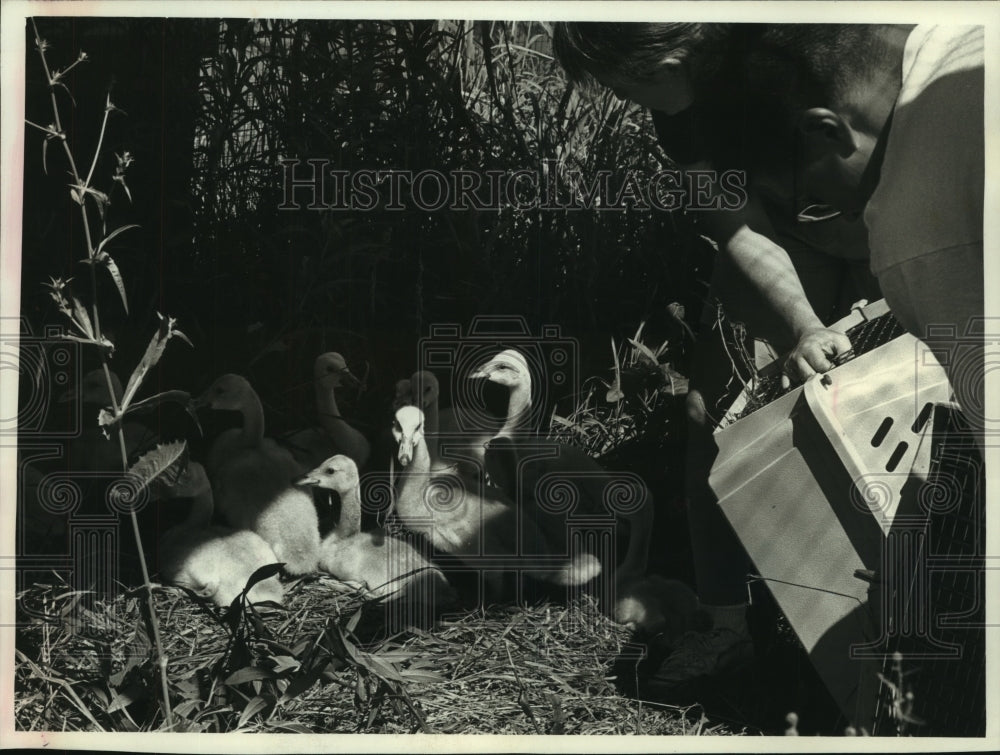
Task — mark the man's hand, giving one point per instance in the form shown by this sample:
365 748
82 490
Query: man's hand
815 352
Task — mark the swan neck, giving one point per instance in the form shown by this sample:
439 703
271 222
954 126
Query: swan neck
518 408
415 477
253 421
350 513
326 401
421 457
432 424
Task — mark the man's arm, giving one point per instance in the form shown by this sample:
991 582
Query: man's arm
743 236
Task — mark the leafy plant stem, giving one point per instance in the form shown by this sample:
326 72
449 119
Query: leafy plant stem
148 589
100 140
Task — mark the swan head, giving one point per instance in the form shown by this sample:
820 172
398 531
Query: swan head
408 430
330 371
93 389
424 388
508 368
338 473
230 392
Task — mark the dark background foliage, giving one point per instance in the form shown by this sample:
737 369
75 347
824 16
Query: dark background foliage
213 106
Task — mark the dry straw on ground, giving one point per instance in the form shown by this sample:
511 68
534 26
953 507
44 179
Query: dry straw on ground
82 665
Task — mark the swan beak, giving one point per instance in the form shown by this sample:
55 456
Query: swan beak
200 402
483 371
405 454
349 378
306 479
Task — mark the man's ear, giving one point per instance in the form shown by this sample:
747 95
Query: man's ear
825 131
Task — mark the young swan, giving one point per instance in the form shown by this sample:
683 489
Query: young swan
465 449
385 565
460 520
214 562
334 435
251 478
656 605
523 463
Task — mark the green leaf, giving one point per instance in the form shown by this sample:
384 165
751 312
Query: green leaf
248 674
644 351
283 663
106 239
167 460
678 384
81 318
300 684
121 180
297 728
341 646
153 353
117 276
124 698
148 404
265 572
429 677
360 689
186 707
352 622
380 667
257 704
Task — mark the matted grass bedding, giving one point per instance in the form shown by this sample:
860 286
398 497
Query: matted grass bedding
323 664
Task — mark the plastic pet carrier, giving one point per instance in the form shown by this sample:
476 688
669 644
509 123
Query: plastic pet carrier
859 497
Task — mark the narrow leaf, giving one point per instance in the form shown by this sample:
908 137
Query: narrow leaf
248 674
116 274
300 685
283 663
352 622
422 676
383 669
264 572
644 351
256 705
360 689
153 353
148 404
123 699
122 229
297 728
81 318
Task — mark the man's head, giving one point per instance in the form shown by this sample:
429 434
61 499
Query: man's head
798 105
648 63
808 104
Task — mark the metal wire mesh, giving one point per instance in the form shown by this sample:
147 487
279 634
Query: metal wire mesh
864 337
943 654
